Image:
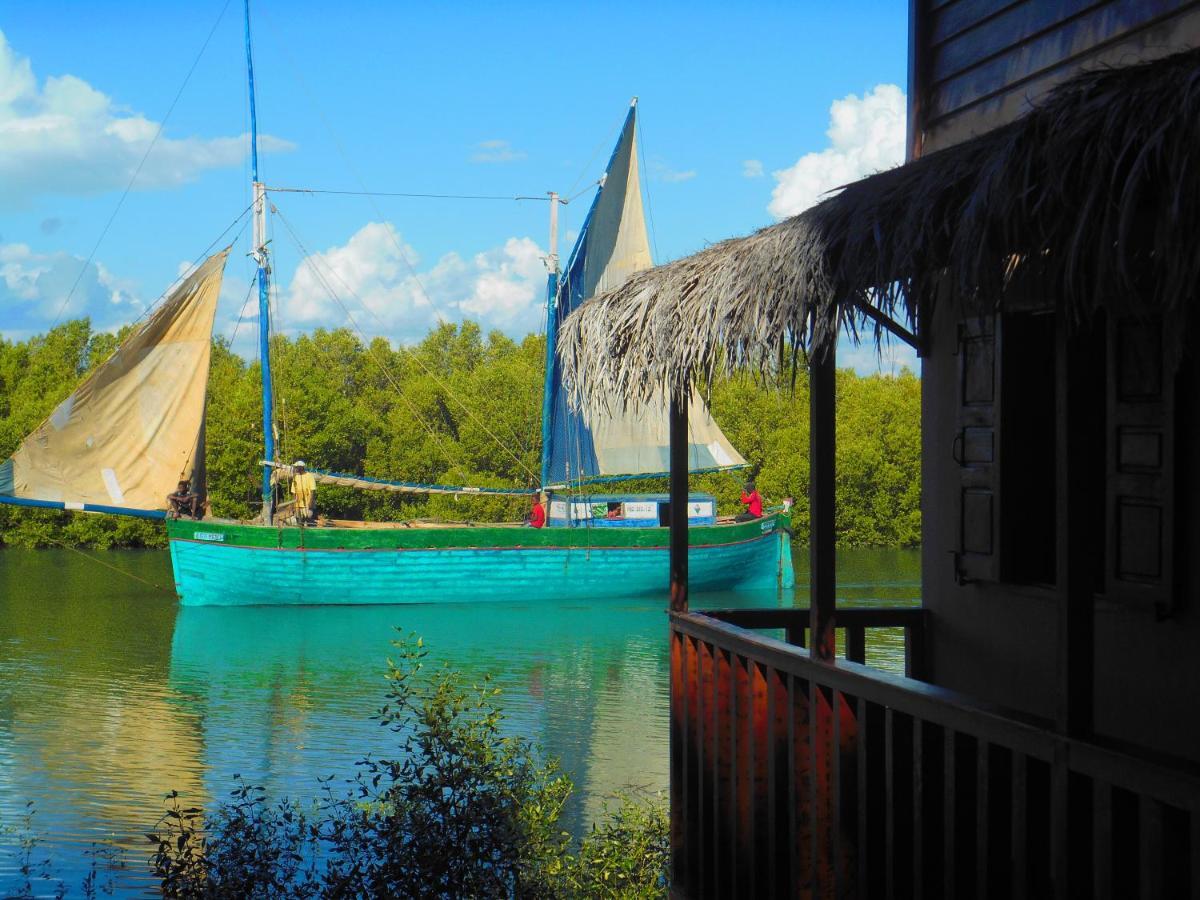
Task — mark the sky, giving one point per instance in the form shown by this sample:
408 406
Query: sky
748 114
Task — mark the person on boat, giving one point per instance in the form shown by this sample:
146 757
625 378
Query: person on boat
304 490
752 500
184 501
537 513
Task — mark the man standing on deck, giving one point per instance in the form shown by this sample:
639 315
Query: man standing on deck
304 490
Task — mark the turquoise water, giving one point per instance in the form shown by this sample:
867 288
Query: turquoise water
111 694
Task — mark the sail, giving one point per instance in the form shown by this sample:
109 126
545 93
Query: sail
133 430
589 444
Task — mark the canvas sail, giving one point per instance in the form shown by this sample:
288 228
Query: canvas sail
133 429
612 245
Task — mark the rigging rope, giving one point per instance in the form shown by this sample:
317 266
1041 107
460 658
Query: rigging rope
308 258
415 356
365 193
136 172
100 562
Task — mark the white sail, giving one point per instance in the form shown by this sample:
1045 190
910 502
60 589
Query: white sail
131 431
615 245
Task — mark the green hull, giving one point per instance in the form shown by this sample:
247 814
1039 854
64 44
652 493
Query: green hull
228 564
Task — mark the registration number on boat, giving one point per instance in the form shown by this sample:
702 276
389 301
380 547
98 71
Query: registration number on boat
208 536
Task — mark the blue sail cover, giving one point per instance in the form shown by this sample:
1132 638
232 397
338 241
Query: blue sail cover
599 445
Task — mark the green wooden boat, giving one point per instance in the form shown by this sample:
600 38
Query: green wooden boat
134 431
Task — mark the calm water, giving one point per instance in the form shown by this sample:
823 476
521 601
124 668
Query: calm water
111 694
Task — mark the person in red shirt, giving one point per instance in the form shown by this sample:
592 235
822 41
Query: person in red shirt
753 502
537 513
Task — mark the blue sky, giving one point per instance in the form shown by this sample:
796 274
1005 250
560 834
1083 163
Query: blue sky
747 113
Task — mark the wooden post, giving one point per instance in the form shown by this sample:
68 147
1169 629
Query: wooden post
822 386
679 500
1075 569
1075 576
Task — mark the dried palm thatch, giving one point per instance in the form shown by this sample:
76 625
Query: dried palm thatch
1095 194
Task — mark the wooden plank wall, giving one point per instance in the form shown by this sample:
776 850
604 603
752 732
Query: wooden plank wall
977 64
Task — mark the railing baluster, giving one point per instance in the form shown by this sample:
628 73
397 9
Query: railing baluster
1102 840
864 735
835 781
678 756
918 818
889 781
1019 828
1193 821
949 811
794 634
815 824
1150 847
982 817
794 787
773 885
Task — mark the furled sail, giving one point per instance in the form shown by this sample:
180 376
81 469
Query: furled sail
125 438
612 245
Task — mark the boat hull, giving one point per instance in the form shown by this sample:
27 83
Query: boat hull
222 564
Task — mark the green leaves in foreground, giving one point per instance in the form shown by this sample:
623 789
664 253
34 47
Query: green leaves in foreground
463 810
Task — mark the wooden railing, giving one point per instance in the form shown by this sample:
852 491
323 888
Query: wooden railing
793 777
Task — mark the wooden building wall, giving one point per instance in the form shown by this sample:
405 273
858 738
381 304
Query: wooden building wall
994 626
976 64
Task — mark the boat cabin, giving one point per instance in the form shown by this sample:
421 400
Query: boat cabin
627 510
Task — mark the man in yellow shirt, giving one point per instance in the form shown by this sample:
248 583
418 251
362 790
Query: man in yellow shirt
304 490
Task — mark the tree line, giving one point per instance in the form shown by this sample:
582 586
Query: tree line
460 407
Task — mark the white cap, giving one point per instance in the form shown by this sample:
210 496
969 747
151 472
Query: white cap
298 462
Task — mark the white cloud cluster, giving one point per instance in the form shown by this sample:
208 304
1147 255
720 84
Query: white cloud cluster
34 286
501 288
66 137
866 135
496 151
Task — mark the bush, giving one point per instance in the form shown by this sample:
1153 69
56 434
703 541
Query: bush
463 810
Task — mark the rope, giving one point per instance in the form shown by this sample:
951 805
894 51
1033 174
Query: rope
365 193
641 133
308 258
413 355
100 562
242 312
136 172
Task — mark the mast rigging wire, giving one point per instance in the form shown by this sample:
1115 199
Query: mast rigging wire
136 172
308 257
365 193
413 355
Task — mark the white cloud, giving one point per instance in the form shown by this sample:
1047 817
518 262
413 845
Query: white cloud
663 172
866 135
66 137
752 168
34 286
496 151
501 288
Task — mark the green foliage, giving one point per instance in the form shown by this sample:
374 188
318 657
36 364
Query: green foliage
462 811
626 856
460 407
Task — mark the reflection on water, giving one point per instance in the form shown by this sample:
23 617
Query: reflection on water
111 694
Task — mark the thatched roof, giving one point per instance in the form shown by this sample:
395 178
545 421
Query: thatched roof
1097 190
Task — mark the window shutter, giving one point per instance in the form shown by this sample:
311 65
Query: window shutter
1141 465
976 451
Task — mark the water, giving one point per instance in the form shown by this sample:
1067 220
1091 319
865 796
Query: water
111 694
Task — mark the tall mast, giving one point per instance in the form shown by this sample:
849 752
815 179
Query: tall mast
551 335
259 253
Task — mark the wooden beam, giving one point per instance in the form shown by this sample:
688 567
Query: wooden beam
888 324
678 425
822 387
